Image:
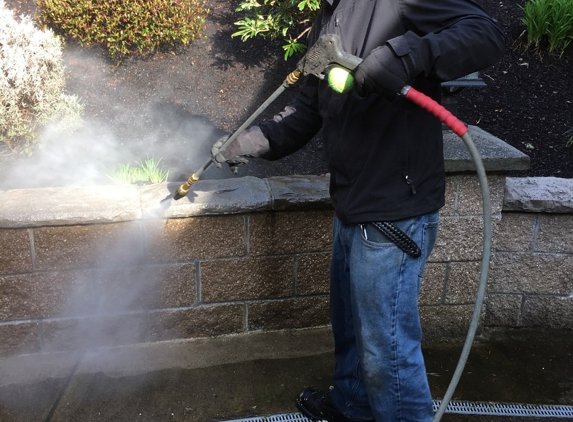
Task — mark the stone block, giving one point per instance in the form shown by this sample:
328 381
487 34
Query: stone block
463 282
496 155
289 313
204 321
445 322
247 279
312 274
532 273
186 239
16 256
92 246
550 312
149 287
90 332
71 205
555 234
432 290
206 197
539 194
300 192
469 200
502 310
43 295
460 239
19 338
516 232
290 232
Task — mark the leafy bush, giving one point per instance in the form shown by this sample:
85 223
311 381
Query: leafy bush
549 21
290 19
126 26
31 83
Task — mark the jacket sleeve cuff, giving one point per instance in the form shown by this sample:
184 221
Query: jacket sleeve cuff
402 47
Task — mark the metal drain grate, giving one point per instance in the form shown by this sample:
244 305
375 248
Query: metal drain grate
459 407
289 417
507 409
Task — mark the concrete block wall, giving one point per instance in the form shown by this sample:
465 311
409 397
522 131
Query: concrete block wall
532 282
452 273
69 286
108 265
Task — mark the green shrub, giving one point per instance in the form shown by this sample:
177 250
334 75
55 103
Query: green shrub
289 19
126 26
549 21
31 83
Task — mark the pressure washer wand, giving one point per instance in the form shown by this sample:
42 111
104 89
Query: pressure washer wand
291 78
326 52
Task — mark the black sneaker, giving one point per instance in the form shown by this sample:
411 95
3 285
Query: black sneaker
316 405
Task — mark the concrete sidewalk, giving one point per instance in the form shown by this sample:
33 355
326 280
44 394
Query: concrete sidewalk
242 376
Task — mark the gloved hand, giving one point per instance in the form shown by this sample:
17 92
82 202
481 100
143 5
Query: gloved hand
382 72
250 143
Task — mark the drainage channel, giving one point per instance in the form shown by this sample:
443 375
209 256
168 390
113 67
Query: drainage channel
458 407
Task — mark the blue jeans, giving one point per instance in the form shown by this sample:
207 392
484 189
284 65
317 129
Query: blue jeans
380 372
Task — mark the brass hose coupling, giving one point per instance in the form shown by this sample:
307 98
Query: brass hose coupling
183 189
292 77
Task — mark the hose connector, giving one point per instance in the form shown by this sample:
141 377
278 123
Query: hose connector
183 189
293 77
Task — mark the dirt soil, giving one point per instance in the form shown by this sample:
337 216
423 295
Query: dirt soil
175 104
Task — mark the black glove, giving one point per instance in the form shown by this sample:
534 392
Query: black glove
382 72
250 143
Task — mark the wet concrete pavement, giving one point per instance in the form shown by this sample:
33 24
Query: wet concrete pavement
238 377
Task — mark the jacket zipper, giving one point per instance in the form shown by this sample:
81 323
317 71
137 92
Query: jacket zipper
409 182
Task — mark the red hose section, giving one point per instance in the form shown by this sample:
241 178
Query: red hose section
437 110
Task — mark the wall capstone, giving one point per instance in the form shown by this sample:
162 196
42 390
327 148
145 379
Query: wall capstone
539 194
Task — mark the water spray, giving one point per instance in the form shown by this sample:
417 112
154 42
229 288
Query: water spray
327 54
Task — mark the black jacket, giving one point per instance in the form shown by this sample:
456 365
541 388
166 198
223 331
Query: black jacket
386 157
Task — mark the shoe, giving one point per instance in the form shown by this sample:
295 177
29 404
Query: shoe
318 406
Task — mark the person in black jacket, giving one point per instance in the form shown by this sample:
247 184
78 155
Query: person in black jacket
387 184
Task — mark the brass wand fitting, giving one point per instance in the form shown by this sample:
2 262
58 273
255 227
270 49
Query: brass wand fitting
183 189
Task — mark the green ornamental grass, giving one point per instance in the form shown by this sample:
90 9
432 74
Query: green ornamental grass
549 21
148 171
569 137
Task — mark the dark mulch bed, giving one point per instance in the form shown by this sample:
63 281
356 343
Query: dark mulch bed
529 100
175 104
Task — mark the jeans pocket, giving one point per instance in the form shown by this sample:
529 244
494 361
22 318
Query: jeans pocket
371 236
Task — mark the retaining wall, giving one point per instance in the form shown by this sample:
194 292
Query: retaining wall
106 265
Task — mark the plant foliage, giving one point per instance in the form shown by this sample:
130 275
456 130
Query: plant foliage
149 171
549 21
569 136
126 26
289 19
31 83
